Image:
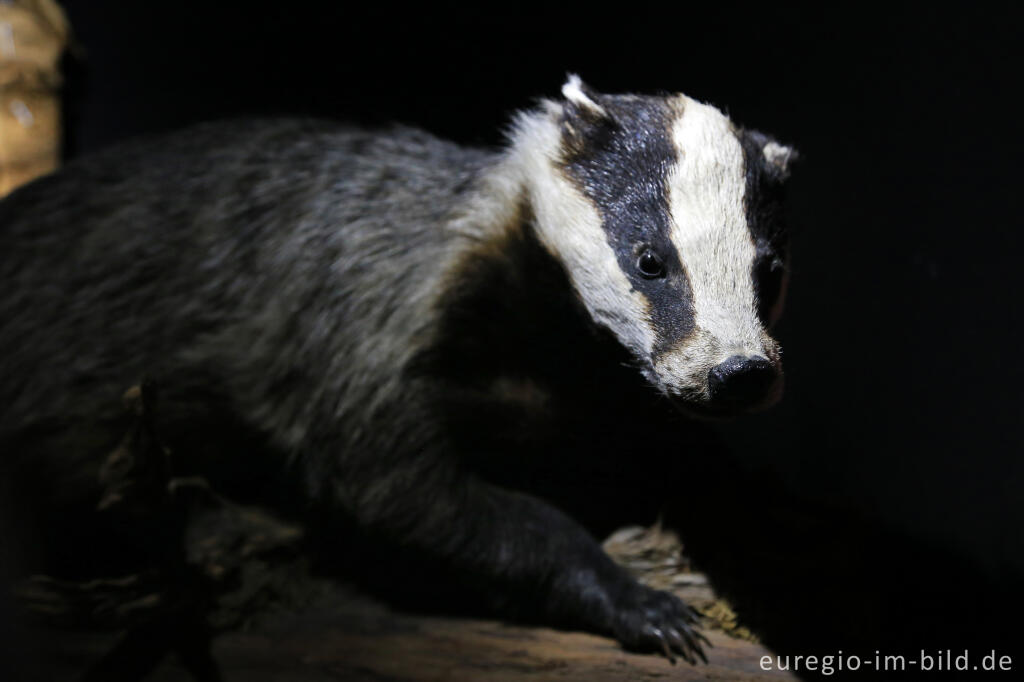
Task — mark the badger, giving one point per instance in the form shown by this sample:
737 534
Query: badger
378 317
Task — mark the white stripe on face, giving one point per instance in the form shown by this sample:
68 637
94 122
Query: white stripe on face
570 226
709 229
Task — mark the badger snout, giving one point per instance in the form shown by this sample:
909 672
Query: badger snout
706 380
743 382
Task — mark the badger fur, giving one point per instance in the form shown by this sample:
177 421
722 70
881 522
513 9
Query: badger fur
379 314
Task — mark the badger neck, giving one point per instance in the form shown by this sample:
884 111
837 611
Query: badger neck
532 161
522 182
509 307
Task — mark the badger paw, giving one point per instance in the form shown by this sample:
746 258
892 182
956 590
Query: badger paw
657 621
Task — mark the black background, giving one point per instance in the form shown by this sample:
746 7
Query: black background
902 337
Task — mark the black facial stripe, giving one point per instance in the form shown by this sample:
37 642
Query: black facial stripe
763 208
621 163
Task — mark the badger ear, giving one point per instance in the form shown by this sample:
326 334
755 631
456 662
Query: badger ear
779 157
585 122
581 99
775 157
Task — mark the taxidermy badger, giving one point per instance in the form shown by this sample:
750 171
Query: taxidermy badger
378 312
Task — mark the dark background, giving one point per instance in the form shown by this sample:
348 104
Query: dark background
902 332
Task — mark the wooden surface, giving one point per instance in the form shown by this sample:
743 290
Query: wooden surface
344 636
311 628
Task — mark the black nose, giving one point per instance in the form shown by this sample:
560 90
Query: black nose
741 380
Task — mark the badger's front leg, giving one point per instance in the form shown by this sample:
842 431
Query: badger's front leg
524 558
575 582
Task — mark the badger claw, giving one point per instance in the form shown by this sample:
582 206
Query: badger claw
686 642
659 636
660 622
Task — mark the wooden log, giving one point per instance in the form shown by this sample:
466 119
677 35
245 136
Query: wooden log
33 34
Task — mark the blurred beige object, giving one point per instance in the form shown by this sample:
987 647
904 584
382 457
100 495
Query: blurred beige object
33 34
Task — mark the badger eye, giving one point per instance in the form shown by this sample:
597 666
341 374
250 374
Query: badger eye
650 264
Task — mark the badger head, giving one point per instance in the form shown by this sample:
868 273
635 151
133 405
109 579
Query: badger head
666 218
